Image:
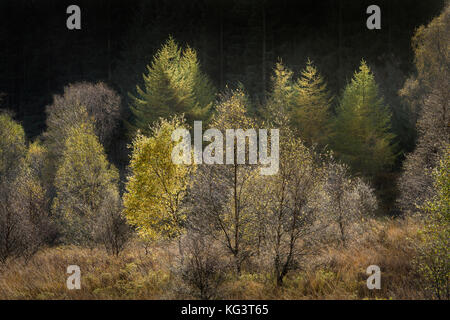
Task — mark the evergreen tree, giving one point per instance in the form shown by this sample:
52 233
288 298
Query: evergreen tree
305 101
280 97
362 136
311 106
174 84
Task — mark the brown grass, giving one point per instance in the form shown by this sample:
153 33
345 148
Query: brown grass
336 273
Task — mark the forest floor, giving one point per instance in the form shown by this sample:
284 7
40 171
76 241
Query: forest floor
334 273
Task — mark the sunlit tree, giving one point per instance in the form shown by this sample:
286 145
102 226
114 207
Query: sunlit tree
157 186
361 133
173 84
82 182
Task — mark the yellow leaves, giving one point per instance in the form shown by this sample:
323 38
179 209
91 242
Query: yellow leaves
157 185
84 173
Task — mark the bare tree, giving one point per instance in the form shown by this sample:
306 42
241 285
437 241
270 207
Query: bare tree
111 227
289 207
81 103
101 103
349 200
202 268
429 92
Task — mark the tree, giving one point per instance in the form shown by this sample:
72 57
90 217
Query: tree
174 84
361 135
20 198
433 258
34 192
428 91
305 100
203 269
390 78
289 206
112 229
81 103
280 99
220 201
83 180
102 104
350 201
311 107
157 186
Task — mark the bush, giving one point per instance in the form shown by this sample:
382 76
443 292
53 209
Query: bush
201 268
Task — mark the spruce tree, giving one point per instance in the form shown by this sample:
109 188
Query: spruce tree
174 84
362 136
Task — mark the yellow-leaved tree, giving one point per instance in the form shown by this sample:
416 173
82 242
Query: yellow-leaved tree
83 182
157 186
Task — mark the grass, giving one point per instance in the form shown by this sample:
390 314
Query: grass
335 273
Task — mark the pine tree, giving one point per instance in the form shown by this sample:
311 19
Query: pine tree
362 136
311 106
174 84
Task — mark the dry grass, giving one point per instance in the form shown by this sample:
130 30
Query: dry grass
336 273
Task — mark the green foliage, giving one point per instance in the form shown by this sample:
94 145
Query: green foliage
22 196
361 135
282 88
174 84
305 102
232 111
431 45
59 124
311 106
156 186
434 254
34 190
82 181
12 145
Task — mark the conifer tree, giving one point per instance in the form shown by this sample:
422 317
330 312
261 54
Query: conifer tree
362 136
279 103
305 101
174 84
311 106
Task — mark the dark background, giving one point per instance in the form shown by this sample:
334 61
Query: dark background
237 41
